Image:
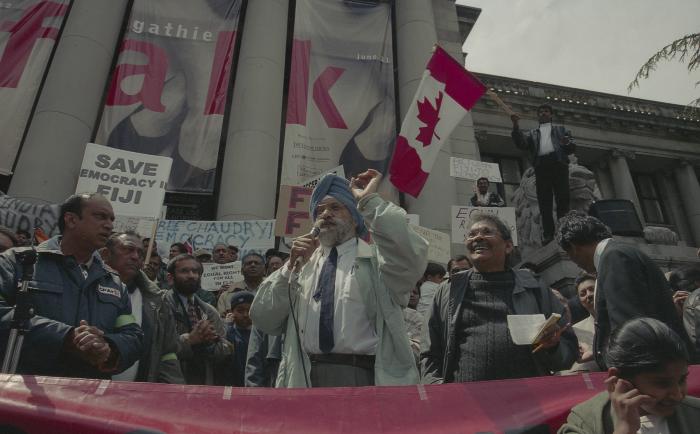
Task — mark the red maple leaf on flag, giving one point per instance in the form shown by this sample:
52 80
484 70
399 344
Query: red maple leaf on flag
429 116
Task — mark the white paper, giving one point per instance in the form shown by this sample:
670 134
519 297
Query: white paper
524 328
473 169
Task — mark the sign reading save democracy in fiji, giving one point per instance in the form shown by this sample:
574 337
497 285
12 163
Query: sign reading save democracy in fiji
461 215
249 235
133 183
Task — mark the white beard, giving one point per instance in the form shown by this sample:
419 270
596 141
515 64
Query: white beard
338 234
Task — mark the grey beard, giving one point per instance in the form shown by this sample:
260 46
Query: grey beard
336 235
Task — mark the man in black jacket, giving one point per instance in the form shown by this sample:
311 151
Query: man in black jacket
629 283
549 146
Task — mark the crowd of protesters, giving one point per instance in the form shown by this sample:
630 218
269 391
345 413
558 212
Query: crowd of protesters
341 311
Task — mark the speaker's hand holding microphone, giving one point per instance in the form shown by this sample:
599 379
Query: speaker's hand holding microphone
302 249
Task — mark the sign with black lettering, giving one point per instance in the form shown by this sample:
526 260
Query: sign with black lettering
133 183
461 216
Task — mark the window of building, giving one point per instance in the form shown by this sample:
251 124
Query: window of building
511 172
649 198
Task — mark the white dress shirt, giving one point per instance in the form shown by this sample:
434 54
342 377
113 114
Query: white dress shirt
353 332
427 294
651 424
546 145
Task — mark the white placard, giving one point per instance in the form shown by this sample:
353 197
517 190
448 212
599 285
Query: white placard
461 216
248 235
141 225
214 276
473 169
311 182
133 183
438 244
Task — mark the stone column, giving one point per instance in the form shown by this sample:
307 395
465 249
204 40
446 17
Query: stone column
70 100
687 182
249 171
605 183
673 207
415 37
622 179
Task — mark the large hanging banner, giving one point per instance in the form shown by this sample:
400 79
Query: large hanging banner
28 33
169 89
341 107
69 405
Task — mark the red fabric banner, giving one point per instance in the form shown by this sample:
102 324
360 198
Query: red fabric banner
61 405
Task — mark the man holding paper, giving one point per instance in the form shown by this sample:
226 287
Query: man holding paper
470 334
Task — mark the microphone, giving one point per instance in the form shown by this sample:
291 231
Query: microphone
315 230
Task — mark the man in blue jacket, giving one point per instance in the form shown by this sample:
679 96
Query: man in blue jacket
549 146
83 325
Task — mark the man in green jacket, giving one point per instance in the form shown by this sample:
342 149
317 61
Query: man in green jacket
343 313
158 361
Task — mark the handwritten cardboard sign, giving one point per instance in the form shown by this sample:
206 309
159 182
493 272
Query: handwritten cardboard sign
214 276
473 169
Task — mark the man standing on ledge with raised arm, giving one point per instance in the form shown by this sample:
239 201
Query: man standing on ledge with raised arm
549 146
343 314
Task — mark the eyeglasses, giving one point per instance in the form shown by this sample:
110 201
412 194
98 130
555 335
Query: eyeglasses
484 232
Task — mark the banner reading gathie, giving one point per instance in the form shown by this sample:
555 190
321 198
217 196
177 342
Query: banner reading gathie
168 92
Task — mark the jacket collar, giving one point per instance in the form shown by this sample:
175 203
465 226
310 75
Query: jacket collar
524 280
144 284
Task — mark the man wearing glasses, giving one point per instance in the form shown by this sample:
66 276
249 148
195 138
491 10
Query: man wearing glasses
468 337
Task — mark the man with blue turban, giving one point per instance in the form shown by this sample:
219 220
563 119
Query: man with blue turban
340 300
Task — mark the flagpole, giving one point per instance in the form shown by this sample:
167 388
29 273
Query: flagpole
500 102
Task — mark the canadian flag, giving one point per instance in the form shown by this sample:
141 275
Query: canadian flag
446 91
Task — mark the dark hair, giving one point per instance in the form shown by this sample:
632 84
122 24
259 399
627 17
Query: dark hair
74 204
23 232
578 228
113 239
644 345
684 278
262 258
483 178
541 106
503 229
582 278
180 247
9 234
434 269
182 257
232 247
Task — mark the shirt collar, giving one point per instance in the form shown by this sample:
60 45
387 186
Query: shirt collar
600 248
343 248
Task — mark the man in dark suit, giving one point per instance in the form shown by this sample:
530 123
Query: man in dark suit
549 147
629 283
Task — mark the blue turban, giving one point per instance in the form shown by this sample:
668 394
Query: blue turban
338 188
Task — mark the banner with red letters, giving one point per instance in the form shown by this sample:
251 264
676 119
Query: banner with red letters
169 90
28 33
341 108
60 405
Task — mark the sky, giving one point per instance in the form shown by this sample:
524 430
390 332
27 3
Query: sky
595 45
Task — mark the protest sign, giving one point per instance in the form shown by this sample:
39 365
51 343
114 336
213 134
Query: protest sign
473 169
461 215
311 182
141 225
133 183
248 235
438 244
293 217
214 276
17 214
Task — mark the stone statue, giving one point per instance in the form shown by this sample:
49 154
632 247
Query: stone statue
583 192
